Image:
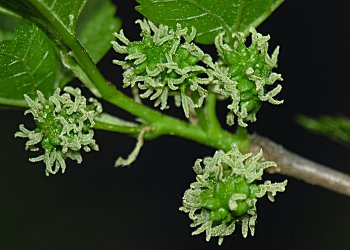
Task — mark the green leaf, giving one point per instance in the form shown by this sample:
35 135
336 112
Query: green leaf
209 17
28 63
336 128
95 27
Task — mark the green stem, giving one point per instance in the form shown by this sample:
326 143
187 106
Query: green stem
206 115
118 128
202 117
72 64
213 122
161 123
111 123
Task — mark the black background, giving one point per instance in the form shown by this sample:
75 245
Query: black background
95 206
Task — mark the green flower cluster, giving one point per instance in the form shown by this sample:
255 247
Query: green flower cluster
244 75
63 127
226 191
165 63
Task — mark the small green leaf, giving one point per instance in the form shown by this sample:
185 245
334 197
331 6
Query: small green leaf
28 63
336 128
95 27
209 17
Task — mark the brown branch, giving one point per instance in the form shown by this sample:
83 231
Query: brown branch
298 167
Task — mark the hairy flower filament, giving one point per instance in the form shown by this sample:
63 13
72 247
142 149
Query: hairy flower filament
226 191
244 74
165 63
63 127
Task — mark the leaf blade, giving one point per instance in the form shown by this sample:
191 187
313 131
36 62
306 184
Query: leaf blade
95 27
96 45
209 17
28 63
336 128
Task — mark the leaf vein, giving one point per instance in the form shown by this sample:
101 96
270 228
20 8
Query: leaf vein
17 75
218 18
53 5
29 46
237 23
210 31
187 18
43 79
12 63
40 63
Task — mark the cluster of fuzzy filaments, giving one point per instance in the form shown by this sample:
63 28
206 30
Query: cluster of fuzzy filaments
226 191
244 74
63 127
165 63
